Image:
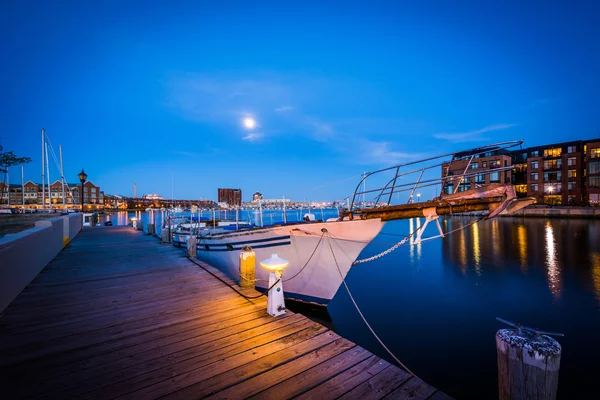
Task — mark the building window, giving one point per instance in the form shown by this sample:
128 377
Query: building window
484 164
572 161
494 177
594 167
474 165
571 149
534 187
594 199
553 152
480 179
594 181
534 176
535 153
571 185
552 188
552 164
572 173
449 189
552 176
595 153
494 164
521 188
534 165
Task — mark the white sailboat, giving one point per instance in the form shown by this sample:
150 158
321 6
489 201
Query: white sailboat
321 254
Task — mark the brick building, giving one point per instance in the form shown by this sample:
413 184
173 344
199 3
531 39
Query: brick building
233 197
31 195
565 173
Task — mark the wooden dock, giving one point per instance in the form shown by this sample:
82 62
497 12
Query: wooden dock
118 315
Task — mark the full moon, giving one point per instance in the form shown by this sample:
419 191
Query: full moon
249 123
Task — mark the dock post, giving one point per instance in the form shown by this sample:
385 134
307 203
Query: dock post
247 267
528 363
151 229
164 235
192 245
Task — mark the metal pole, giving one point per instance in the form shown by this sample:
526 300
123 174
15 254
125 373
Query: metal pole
284 216
48 177
23 185
62 175
8 187
43 171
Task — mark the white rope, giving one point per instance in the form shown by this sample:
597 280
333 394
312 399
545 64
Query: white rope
362 315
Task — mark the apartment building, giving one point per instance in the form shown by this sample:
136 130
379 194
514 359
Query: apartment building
30 194
565 173
233 197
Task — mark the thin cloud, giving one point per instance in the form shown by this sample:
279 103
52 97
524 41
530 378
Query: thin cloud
253 137
472 136
284 108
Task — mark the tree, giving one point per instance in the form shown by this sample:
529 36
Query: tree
9 159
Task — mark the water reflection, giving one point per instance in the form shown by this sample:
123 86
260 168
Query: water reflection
553 269
414 225
595 259
522 246
476 249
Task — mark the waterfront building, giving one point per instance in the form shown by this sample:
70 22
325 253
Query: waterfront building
31 195
566 173
233 197
257 196
481 168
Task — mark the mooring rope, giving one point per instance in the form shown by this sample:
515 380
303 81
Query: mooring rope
362 315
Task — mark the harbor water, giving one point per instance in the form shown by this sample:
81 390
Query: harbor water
435 304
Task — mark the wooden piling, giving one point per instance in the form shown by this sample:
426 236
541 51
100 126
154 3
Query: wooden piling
192 245
151 229
528 365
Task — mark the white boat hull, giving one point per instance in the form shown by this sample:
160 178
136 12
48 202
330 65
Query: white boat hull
317 280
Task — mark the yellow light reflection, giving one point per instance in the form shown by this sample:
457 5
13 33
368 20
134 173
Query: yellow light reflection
495 239
522 245
476 248
462 251
596 273
553 272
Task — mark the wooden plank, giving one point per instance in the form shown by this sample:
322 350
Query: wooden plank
283 372
217 376
167 360
440 396
309 378
378 386
415 388
347 380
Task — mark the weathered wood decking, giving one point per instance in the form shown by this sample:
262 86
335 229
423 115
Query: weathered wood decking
117 315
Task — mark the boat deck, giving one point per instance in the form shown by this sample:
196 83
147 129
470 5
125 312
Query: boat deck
117 315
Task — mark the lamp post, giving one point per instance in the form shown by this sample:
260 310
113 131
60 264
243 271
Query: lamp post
275 301
82 177
418 197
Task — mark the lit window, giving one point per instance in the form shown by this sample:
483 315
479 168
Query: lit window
572 173
572 161
595 153
553 152
534 176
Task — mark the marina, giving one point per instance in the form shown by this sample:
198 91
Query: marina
117 315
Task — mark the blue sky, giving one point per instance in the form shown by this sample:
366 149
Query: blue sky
154 93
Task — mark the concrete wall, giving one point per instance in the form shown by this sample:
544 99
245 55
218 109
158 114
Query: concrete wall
23 255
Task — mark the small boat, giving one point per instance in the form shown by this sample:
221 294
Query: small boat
321 254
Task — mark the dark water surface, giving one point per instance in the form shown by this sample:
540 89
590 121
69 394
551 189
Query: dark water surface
434 304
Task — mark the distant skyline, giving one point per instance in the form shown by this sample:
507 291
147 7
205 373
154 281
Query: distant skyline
293 99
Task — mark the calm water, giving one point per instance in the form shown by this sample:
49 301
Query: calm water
435 304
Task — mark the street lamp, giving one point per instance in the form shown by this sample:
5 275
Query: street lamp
418 197
82 177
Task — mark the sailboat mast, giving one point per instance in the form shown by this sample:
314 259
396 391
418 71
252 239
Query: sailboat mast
43 172
48 177
62 175
23 184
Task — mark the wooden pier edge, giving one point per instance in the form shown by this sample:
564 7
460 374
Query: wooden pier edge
117 314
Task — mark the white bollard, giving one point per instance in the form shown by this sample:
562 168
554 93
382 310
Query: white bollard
275 301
